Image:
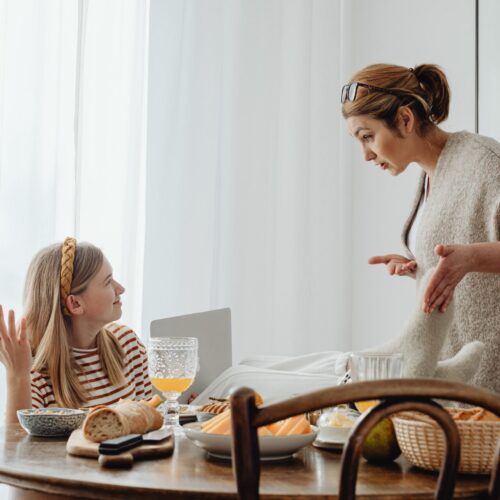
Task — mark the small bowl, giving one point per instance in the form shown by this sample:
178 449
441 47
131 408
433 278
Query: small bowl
336 424
203 416
49 422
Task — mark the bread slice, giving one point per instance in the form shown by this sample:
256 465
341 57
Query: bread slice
130 417
104 424
141 417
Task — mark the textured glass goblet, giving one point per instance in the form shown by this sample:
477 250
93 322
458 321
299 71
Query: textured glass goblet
173 362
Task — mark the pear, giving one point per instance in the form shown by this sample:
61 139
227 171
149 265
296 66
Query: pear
381 444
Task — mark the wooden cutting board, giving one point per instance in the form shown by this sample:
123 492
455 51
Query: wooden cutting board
79 446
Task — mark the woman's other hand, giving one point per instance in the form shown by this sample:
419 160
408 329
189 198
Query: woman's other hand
15 350
396 264
454 263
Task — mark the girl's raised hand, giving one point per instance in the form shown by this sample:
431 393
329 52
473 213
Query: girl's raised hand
396 264
15 350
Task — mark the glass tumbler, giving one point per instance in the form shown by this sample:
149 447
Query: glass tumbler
365 366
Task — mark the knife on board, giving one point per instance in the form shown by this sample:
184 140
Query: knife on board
112 453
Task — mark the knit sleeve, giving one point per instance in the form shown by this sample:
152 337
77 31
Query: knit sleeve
495 223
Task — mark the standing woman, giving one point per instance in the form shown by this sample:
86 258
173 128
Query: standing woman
454 224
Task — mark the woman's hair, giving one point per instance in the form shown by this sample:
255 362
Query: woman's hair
424 89
49 327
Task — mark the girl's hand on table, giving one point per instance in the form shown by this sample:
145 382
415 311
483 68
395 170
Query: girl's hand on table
396 264
454 263
15 350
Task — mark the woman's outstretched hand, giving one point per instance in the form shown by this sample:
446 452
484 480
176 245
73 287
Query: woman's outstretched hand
453 265
396 264
15 351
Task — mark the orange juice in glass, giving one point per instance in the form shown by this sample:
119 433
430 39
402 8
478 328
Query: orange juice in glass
173 363
172 384
366 366
363 406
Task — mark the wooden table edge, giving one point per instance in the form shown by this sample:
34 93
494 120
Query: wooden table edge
44 484
58 486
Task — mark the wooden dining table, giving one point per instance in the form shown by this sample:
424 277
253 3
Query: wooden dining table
40 468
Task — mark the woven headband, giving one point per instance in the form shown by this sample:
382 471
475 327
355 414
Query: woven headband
67 262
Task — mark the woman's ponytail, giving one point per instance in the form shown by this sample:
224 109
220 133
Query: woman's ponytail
435 85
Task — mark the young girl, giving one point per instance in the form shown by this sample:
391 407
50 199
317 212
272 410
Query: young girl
394 112
68 351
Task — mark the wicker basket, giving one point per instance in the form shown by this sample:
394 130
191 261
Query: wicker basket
422 442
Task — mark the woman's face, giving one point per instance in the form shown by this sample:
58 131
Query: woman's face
101 298
379 143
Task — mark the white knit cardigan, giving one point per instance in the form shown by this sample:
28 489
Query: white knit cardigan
463 207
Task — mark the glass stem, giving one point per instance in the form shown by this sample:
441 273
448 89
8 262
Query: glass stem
172 411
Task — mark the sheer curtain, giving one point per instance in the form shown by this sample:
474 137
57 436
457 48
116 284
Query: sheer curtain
72 129
245 167
110 139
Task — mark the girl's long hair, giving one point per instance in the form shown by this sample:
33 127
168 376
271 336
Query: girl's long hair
49 329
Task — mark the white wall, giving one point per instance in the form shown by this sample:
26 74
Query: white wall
406 33
489 68
397 31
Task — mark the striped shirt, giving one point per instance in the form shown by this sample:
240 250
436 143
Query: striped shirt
94 381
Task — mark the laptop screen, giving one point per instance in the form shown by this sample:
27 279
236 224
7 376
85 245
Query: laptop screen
213 330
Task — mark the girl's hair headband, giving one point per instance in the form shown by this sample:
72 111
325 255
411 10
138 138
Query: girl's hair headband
67 263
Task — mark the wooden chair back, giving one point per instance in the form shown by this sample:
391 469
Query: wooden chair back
395 396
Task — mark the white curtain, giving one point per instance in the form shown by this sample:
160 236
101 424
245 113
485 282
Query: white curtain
111 139
37 91
72 135
247 193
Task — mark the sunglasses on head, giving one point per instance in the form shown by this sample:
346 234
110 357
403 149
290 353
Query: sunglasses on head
350 90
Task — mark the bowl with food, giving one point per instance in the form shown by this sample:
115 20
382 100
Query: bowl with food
335 425
50 422
277 441
207 411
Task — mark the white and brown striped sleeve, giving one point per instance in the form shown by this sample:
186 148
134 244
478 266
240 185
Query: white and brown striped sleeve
136 364
142 380
42 395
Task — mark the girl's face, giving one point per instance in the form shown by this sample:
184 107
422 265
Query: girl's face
101 300
380 144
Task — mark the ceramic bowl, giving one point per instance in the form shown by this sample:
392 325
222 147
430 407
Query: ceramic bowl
271 447
335 425
50 421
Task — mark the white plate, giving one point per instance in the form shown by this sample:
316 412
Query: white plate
188 411
329 445
271 447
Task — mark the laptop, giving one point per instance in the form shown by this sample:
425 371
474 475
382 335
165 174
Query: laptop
213 331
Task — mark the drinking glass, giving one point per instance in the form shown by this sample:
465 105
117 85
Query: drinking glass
365 366
173 363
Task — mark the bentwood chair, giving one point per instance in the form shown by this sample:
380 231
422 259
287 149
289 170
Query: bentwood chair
396 396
